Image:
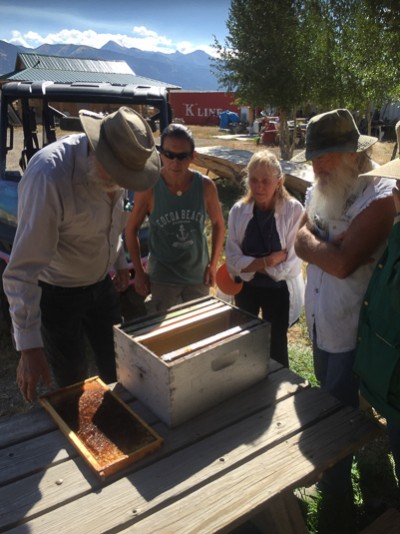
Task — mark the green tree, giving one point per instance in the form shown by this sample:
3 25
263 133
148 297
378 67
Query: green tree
262 59
326 53
368 53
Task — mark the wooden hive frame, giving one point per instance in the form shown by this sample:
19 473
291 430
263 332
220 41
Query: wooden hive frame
68 397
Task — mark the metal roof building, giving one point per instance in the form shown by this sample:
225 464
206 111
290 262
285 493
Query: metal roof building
31 67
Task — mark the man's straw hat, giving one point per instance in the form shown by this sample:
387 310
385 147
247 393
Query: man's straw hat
124 145
392 168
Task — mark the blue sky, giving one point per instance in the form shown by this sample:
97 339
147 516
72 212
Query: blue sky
152 25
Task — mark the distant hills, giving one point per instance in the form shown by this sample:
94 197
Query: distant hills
189 71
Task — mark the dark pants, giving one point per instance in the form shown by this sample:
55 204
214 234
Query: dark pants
274 305
334 371
68 314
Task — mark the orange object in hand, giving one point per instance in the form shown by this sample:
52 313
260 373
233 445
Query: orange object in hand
226 283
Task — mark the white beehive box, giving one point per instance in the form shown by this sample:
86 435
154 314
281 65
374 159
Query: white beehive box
188 359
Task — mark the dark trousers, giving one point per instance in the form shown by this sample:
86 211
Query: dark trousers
68 314
274 305
334 371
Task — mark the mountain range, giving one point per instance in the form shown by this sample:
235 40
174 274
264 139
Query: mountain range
189 71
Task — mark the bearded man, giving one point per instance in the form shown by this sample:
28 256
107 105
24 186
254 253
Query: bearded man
341 238
70 219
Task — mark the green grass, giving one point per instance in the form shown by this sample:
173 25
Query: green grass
300 351
300 357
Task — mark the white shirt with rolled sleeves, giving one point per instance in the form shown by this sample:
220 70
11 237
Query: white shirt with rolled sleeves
332 305
69 233
288 214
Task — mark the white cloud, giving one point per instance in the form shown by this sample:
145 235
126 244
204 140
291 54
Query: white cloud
185 47
18 40
143 39
142 30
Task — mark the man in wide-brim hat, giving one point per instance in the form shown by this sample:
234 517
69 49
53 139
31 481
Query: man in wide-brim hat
378 353
70 220
341 237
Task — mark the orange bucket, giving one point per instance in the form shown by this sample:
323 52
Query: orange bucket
225 282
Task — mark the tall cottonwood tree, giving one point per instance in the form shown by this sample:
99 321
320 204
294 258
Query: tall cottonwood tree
264 58
328 53
368 52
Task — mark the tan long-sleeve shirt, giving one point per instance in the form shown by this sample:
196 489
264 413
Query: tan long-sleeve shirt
68 234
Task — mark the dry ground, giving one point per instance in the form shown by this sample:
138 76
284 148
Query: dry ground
10 400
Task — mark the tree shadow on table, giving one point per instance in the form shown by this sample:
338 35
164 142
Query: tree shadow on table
375 490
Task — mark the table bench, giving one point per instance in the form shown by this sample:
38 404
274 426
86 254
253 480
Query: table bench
237 461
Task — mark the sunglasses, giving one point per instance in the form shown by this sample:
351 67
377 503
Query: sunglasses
175 155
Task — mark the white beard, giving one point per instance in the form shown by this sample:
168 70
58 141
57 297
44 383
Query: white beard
334 192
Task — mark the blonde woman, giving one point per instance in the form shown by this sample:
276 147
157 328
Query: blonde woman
260 250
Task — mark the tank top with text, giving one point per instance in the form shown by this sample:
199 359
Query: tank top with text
178 250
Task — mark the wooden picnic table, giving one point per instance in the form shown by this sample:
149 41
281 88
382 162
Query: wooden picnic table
237 461
230 163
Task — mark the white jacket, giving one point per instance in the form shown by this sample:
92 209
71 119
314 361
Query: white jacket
288 214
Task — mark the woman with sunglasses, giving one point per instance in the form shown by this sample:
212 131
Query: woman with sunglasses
180 267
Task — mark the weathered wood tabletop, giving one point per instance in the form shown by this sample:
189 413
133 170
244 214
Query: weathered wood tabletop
236 461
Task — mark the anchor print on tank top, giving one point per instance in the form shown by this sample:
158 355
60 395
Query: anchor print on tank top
183 238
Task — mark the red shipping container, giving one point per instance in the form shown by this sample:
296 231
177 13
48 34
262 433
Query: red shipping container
201 107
